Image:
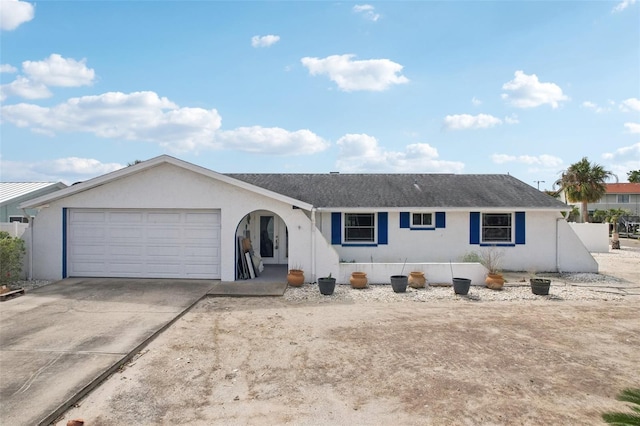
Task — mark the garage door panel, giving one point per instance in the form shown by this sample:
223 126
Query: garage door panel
144 243
164 218
126 217
87 216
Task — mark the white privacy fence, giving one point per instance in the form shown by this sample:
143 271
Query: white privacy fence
15 229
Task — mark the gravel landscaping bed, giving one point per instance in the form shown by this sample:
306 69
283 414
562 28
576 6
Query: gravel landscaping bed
510 292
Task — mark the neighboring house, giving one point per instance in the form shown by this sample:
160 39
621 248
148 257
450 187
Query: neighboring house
168 218
12 194
619 196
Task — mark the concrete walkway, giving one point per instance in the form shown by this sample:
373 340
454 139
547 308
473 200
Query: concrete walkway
60 340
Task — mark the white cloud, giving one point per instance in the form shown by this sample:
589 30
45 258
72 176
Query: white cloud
68 170
8 68
475 101
271 140
350 75
144 116
623 5
466 121
14 13
367 11
54 71
526 91
24 88
140 116
58 71
512 119
624 159
632 127
624 152
595 107
264 41
631 104
361 153
543 160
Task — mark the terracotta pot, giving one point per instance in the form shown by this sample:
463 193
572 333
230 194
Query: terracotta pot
494 281
295 278
358 279
417 280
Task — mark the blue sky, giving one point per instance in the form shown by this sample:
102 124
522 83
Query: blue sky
518 87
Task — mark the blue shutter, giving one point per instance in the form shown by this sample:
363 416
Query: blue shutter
383 228
474 228
441 220
520 228
336 228
404 220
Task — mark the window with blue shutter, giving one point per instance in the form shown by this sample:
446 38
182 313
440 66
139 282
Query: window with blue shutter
422 221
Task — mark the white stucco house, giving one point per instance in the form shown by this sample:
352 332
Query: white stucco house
167 218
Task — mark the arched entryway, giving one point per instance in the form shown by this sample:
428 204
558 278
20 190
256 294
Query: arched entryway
262 246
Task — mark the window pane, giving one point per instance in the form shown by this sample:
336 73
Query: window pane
496 227
426 219
359 227
417 219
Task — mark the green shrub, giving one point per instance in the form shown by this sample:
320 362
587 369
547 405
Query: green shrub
12 251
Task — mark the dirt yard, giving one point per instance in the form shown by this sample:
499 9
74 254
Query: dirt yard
462 361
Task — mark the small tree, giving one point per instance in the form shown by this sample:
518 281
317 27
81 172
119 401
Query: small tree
12 251
611 216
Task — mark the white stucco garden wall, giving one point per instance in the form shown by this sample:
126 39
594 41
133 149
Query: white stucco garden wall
594 236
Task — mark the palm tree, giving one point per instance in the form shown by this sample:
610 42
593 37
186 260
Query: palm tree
611 216
584 182
633 176
626 418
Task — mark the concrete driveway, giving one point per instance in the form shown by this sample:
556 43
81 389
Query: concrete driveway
57 340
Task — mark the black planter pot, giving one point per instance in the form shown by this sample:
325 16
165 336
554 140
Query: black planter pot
399 283
540 286
327 285
461 285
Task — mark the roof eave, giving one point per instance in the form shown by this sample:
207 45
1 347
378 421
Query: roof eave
154 162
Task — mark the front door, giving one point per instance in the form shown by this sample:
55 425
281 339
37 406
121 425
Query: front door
273 240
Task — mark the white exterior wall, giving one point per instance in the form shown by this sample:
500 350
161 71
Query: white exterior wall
168 187
451 243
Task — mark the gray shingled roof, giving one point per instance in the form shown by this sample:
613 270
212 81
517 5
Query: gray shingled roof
404 190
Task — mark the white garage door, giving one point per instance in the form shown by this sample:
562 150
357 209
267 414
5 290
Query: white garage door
143 243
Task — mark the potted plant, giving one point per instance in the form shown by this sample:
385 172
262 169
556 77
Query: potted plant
491 258
417 279
295 277
358 280
327 285
399 282
461 285
540 286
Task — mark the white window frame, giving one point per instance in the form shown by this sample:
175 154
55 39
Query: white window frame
510 226
432 218
345 226
620 198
